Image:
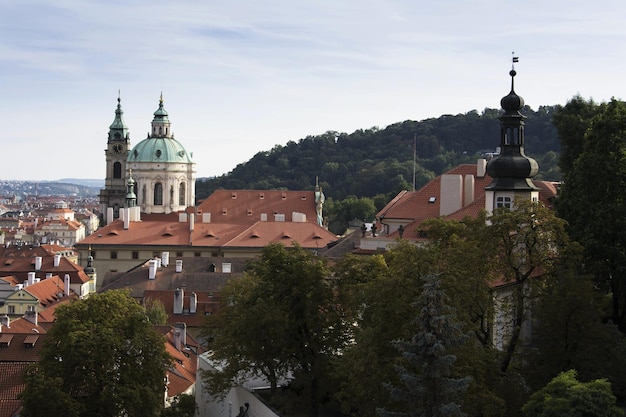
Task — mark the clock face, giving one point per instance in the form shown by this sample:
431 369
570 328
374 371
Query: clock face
118 148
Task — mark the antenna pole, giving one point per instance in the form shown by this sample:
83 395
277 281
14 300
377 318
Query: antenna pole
414 157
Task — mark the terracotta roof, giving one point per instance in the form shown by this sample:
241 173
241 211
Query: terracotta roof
425 203
260 234
11 386
168 230
195 275
20 263
15 348
182 374
247 206
48 291
207 303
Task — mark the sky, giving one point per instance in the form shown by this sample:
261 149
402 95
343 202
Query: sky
240 77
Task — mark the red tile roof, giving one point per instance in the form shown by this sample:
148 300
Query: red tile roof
170 231
247 206
11 386
19 263
425 203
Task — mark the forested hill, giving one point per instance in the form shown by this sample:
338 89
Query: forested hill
375 162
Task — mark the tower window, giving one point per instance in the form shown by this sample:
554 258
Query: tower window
181 194
503 202
158 194
117 170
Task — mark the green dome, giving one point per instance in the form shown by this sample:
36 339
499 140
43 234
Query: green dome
159 149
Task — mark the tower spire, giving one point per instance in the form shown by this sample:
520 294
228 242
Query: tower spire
512 170
118 131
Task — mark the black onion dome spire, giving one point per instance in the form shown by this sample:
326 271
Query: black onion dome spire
512 169
512 103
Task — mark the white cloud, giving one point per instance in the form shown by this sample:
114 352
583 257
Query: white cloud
240 77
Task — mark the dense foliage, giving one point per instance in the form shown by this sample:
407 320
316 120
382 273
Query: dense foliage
428 388
592 197
371 162
280 320
565 396
101 357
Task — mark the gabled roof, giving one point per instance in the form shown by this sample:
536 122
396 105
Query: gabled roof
207 303
182 374
412 208
247 206
307 235
19 264
48 291
169 230
195 275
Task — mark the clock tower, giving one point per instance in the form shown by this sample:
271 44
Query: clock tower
113 195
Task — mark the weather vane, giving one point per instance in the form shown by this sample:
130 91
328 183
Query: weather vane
514 60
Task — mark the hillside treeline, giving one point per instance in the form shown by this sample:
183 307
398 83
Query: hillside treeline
379 162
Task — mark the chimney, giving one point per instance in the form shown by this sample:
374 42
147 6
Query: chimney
153 269
182 217
192 219
182 328
48 275
109 215
450 195
177 338
193 303
206 217
31 315
57 260
31 277
66 285
179 265
481 168
126 218
165 259
179 294
468 191
37 263
5 321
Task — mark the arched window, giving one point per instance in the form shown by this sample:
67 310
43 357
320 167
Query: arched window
158 194
181 194
117 170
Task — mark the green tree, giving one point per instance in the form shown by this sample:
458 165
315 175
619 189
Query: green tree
183 405
430 388
281 315
376 293
101 357
155 311
592 202
569 332
565 396
528 239
572 122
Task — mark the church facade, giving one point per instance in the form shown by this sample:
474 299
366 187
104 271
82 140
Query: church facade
162 172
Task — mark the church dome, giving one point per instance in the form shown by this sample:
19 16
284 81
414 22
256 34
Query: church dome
160 146
159 149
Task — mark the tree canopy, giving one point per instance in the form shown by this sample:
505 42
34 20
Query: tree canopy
591 198
101 357
565 396
371 162
279 321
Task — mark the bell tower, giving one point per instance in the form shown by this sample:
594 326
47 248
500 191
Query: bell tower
113 195
511 170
